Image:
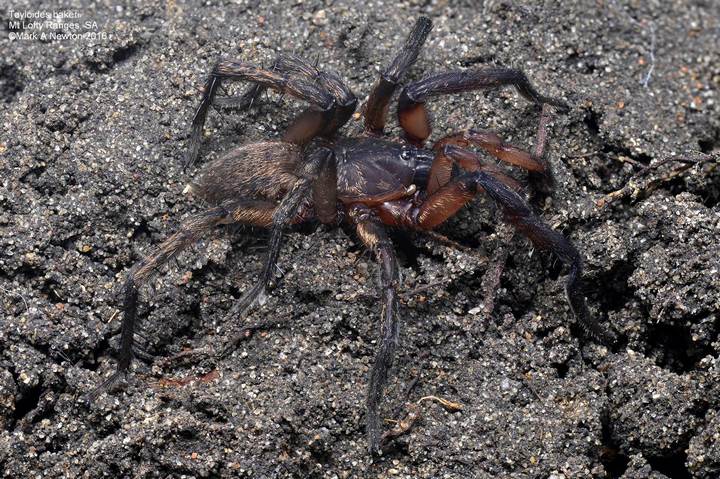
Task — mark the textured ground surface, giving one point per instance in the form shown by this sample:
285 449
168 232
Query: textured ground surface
93 133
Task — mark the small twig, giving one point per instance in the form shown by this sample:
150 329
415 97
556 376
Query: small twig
627 159
448 405
414 414
420 289
542 140
187 353
177 383
115 313
402 426
621 158
585 155
491 278
638 185
444 240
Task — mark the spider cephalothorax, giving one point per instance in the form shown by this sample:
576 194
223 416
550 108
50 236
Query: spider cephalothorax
367 182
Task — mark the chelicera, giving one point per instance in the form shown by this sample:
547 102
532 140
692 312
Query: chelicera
368 182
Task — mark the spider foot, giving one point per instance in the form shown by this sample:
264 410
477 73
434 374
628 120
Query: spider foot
142 354
105 386
255 296
592 330
560 105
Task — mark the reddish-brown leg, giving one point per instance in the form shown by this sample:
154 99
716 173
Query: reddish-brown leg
494 144
446 201
450 150
472 161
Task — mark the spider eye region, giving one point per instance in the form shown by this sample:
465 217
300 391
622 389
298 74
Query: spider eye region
407 153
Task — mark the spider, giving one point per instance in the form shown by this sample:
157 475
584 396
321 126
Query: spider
369 183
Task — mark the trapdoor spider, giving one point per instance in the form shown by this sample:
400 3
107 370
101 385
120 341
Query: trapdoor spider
368 182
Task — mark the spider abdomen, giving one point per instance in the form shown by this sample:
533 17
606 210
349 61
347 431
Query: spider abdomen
265 170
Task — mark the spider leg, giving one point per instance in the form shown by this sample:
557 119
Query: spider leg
331 102
241 102
373 236
447 156
447 200
377 105
253 92
213 83
518 213
307 125
253 212
414 117
345 100
316 171
324 191
493 144
211 86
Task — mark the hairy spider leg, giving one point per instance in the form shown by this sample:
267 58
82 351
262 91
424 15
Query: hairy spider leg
414 117
209 98
241 102
211 86
247 99
446 201
345 100
374 237
324 191
250 212
454 145
450 151
265 78
331 102
376 108
312 181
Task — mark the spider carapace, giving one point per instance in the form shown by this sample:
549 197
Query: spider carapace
369 182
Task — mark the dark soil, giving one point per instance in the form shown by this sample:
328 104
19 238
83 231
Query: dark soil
93 137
